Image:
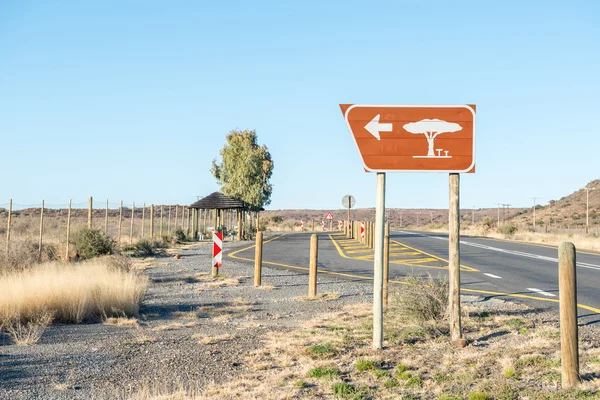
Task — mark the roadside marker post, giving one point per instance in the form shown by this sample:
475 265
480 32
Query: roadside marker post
569 336
323 225
301 226
362 231
388 140
312 271
217 260
258 259
340 225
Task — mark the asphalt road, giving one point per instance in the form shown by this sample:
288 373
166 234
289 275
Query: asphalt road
489 267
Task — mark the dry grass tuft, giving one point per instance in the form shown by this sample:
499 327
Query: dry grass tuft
423 299
123 321
27 330
169 327
267 287
31 298
212 339
72 293
330 296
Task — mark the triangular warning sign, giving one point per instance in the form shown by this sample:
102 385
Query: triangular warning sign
329 216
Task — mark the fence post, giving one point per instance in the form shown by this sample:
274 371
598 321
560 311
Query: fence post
567 290
90 209
143 218
169 222
151 221
8 227
161 221
68 230
106 219
120 219
386 262
312 275
258 259
41 228
182 215
132 217
176 210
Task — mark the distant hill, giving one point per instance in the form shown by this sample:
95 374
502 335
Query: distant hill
567 212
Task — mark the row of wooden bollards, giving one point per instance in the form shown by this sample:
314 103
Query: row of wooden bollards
312 270
314 254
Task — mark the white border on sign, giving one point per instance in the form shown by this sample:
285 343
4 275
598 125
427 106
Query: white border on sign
411 106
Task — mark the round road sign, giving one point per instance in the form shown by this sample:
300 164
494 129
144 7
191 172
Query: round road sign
348 201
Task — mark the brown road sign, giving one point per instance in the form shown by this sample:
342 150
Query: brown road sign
413 138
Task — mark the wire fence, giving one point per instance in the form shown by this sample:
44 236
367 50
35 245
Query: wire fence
55 224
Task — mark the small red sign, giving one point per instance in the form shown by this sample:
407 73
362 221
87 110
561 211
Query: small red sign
329 216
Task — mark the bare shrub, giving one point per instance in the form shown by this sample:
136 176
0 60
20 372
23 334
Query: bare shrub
22 254
422 299
27 329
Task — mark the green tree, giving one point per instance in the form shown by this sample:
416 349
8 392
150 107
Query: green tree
245 169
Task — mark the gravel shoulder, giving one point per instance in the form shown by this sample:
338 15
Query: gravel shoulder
191 329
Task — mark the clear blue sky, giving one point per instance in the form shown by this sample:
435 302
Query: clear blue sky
132 100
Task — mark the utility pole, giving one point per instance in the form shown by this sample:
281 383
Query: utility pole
534 198
505 211
587 209
418 215
431 215
498 215
473 216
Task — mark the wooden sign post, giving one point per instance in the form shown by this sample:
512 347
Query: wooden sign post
413 138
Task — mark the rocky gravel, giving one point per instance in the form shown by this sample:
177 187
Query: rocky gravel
183 314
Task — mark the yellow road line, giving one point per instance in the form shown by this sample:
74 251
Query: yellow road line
462 266
233 254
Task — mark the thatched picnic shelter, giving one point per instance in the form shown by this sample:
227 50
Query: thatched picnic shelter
219 203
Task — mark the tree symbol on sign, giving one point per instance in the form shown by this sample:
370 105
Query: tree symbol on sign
431 128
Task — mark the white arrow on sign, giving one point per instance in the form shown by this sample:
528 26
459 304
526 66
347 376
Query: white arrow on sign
374 127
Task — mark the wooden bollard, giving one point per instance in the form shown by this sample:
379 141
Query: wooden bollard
312 272
569 337
258 259
386 262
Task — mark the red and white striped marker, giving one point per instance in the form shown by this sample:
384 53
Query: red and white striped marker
301 225
323 224
362 229
340 223
217 249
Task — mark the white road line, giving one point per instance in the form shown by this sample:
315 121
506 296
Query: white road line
513 252
493 276
541 292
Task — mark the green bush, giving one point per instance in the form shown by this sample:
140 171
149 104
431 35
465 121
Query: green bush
364 365
180 235
90 243
322 372
508 229
343 389
147 248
